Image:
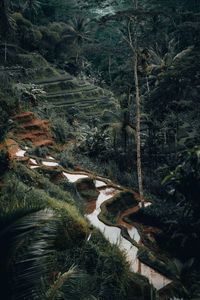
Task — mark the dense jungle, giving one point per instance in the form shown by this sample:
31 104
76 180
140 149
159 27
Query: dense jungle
100 150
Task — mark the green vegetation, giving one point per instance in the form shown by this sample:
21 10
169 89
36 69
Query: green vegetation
48 220
118 204
87 189
4 161
118 83
61 131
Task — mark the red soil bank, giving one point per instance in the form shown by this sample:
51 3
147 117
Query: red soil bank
33 129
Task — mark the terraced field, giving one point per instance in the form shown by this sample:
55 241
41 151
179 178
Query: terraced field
65 92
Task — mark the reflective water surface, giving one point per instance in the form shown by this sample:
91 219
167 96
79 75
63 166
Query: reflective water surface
113 234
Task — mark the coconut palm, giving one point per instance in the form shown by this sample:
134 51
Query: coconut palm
77 30
158 63
76 33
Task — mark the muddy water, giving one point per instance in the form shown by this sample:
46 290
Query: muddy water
20 153
50 157
74 177
34 167
99 184
113 234
50 164
33 161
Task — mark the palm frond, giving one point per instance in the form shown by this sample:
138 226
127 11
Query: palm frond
61 280
26 254
74 285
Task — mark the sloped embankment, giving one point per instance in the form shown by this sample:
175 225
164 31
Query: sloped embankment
32 201
65 92
30 128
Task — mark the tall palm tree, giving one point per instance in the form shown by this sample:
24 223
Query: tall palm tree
76 33
158 63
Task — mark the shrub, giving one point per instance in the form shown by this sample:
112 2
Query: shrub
16 195
37 35
87 189
96 142
51 38
20 20
57 27
39 181
38 151
61 130
183 184
120 203
3 123
4 161
66 160
73 228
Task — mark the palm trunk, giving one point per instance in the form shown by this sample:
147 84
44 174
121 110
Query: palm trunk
138 135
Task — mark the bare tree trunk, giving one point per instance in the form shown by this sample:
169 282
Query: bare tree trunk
129 98
147 81
77 57
138 117
109 69
138 129
133 43
5 52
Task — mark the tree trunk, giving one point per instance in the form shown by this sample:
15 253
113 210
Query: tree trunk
134 47
129 98
138 135
5 52
109 69
147 81
124 133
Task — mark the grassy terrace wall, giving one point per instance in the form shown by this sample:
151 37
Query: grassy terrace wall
48 217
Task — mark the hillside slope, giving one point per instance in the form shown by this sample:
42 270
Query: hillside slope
62 91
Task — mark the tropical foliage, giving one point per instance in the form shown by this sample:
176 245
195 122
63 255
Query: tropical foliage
118 82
